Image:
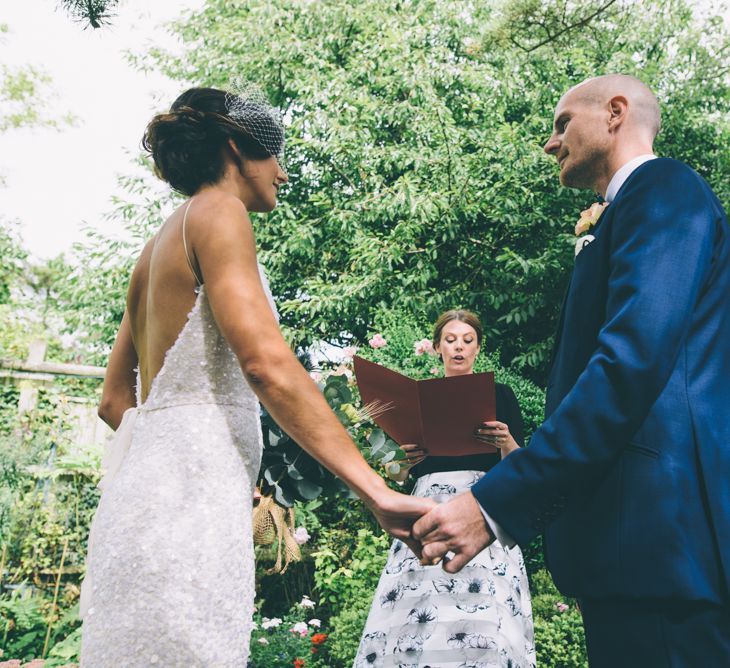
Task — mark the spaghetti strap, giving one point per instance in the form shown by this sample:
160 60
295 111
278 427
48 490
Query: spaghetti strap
198 282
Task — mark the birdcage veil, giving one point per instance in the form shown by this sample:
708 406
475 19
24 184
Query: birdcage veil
248 107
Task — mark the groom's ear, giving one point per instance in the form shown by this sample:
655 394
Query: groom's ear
618 107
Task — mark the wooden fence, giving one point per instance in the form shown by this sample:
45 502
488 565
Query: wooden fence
34 372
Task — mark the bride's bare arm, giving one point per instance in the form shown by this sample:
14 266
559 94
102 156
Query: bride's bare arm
120 380
223 243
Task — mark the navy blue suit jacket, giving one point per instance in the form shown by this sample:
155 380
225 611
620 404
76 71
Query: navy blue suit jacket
629 475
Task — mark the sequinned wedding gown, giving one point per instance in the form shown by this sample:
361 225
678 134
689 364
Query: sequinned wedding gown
170 571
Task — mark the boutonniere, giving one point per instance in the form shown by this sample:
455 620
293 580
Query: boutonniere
588 220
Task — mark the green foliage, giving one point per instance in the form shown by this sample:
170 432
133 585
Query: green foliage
346 631
418 180
69 649
560 642
22 625
287 471
94 12
559 636
347 570
348 567
26 96
13 258
47 498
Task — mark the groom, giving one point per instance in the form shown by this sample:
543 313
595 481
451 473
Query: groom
629 475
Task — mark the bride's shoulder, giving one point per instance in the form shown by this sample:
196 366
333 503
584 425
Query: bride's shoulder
216 205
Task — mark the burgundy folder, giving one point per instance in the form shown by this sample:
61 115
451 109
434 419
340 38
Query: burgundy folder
440 414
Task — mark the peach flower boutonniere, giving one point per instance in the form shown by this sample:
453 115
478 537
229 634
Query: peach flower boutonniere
588 219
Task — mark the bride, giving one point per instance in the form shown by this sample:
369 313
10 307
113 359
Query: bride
170 570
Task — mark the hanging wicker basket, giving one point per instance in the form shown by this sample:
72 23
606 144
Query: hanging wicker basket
274 525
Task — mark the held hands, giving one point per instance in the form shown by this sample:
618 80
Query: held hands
497 434
457 526
396 513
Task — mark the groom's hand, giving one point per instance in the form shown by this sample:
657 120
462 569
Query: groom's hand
456 526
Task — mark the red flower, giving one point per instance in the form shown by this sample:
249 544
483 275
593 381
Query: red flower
298 663
319 638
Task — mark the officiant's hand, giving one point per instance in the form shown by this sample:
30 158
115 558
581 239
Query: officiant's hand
396 513
457 526
497 434
415 454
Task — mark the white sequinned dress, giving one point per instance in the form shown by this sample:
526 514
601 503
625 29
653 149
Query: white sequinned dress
170 570
424 617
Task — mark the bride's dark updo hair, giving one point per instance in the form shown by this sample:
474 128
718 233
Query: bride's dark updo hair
188 143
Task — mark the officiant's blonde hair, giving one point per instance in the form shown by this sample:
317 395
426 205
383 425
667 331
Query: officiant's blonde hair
462 315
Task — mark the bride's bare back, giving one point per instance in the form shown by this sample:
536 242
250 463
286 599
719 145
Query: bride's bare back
160 297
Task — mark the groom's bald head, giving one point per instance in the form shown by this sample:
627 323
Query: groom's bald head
644 114
599 125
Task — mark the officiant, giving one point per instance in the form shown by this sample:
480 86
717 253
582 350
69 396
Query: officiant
422 616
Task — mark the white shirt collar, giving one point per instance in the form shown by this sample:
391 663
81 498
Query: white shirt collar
622 174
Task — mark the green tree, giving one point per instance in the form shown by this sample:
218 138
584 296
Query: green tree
94 12
417 176
26 96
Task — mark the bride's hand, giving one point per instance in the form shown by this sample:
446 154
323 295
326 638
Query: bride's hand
396 513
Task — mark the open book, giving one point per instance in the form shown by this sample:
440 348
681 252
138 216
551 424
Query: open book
439 414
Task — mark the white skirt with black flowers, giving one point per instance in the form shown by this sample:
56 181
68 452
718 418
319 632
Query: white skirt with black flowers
423 617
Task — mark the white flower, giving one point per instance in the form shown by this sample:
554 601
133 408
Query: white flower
316 623
301 535
270 623
349 352
301 628
263 641
306 602
316 376
254 625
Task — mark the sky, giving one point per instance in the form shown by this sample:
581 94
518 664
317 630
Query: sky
57 181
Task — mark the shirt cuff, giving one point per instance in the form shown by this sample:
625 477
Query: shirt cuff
497 531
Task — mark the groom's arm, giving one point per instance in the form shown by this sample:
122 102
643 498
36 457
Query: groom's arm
662 241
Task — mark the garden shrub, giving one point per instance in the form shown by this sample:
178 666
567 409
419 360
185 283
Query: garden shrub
559 636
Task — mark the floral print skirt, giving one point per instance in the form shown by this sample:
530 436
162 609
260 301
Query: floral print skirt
423 617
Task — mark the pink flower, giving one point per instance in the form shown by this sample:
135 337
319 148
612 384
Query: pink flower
562 607
342 370
423 346
435 371
301 628
349 352
316 376
378 341
301 535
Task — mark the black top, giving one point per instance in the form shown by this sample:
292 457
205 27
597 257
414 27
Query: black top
508 411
